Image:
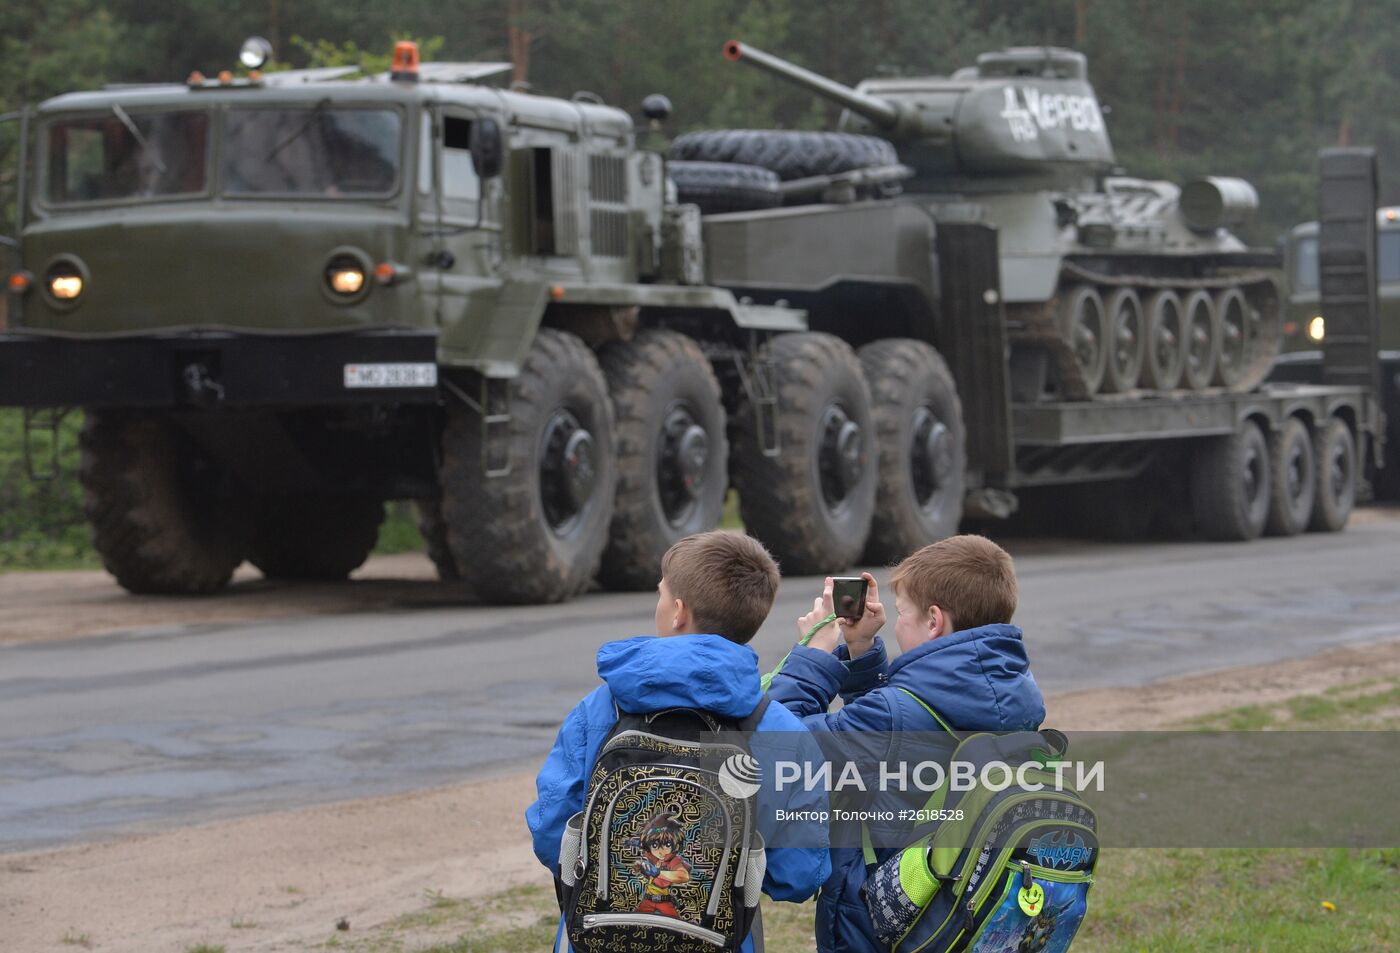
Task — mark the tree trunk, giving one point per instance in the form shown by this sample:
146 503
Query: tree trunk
519 42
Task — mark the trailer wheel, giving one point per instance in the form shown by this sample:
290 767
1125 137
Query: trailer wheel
1125 341
1166 341
160 515
536 534
812 503
791 154
313 537
1336 477
433 528
1230 479
1294 478
719 187
1202 340
672 452
920 445
1236 342
1084 326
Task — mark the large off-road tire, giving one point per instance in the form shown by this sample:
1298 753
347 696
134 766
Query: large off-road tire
793 155
1294 479
719 187
812 504
1230 484
920 444
1335 453
535 535
1084 326
1202 324
1125 341
161 515
672 453
308 537
433 528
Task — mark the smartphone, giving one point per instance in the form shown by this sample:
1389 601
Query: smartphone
848 596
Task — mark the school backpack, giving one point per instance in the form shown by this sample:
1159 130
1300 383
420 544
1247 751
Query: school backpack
986 870
665 853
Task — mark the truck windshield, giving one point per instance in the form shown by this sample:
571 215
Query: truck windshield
314 150
1305 273
125 155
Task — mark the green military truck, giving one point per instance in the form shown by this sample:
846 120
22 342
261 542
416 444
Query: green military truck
1305 327
282 300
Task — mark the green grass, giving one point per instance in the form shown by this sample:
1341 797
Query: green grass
1370 705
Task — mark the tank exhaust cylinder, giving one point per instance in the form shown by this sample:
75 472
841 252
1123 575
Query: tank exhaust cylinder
1216 202
879 111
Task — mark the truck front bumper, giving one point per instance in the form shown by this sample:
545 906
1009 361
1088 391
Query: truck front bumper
215 368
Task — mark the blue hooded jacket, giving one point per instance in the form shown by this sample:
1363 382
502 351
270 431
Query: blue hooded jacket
706 672
977 680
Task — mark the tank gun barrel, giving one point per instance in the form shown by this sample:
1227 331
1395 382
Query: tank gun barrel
879 111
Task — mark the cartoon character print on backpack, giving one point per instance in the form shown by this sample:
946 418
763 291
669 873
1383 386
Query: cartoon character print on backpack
1049 931
661 864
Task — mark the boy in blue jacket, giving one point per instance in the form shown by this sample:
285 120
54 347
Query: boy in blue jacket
961 657
716 590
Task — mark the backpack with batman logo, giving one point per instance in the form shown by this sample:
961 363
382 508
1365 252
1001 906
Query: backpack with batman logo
666 852
997 870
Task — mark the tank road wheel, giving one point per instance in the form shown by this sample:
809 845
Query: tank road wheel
1233 314
1125 341
1084 325
1202 340
535 535
812 503
158 519
920 446
1335 453
433 528
1230 479
672 454
314 537
1165 352
1294 477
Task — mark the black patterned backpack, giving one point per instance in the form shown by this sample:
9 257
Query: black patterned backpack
665 854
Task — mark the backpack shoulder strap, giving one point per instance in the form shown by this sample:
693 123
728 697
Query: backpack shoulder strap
936 716
750 724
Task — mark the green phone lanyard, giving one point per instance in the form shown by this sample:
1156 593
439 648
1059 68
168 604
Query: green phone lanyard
767 680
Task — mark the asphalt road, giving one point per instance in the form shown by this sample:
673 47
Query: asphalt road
150 729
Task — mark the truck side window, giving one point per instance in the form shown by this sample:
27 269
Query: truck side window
1305 273
459 178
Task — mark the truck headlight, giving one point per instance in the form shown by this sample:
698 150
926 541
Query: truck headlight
1317 328
65 280
345 278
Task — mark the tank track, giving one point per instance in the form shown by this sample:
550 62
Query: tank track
1037 324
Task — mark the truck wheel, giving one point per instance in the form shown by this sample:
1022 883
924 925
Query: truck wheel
719 187
1202 340
536 534
1294 478
1125 341
793 155
1230 484
433 528
322 538
1233 315
812 503
159 520
672 453
1083 326
1336 477
920 446
1166 339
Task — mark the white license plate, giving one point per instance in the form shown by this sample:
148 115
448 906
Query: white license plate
390 375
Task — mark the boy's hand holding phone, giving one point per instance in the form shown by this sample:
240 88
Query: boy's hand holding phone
859 614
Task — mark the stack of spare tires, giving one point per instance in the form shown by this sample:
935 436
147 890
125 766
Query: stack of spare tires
736 170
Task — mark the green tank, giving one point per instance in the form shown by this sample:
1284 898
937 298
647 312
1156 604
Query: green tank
1111 283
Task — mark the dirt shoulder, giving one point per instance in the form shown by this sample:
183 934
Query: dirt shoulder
282 881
